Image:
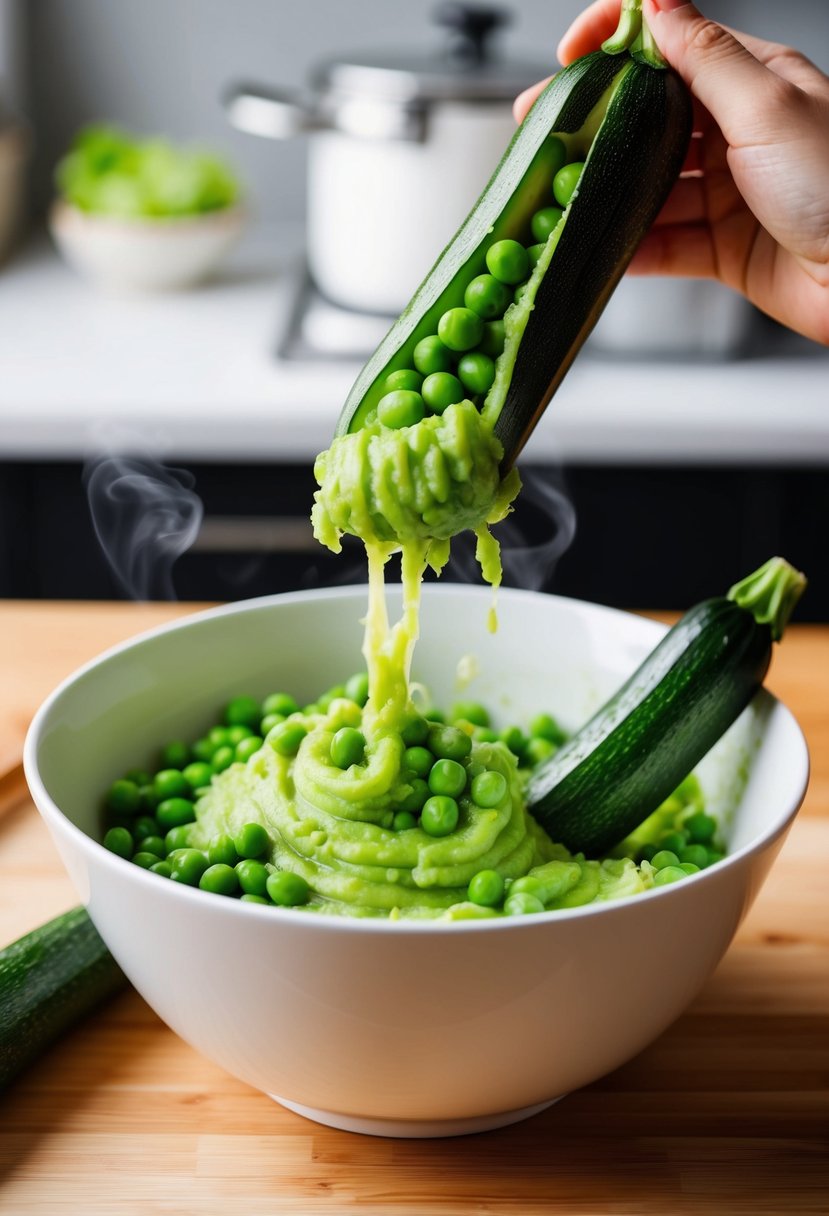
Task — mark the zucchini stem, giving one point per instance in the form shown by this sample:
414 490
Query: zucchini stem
633 34
770 594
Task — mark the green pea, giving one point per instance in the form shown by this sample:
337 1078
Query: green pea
415 732
492 341
449 743
163 869
537 751
145 825
514 738
243 711
546 727
401 408
447 777
534 252
435 715
668 874
223 757
177 838
269 722
414 800
119 840
700 827
528 885
489 789
175 754
696 854
674 842
664 858
477 372
152 844
280 703
430 355
220 879
484 735
418 760
287 889
287 738
247 748
439 816
470 711
187 866
173 812
403 820
123 797
310 710
441 390
508 261
545 221
460 328
348 747
235 734
198 774
217 735
252 876
138 776
170 783
405 378
145 860
689 867
147 800
251 840
648 852
203 750
222 850
248 898
487 297
522 904
565 182
714 856
486 888
356 688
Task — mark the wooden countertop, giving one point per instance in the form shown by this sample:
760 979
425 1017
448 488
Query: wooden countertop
728 1112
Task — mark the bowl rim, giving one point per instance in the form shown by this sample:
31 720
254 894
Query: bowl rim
54 816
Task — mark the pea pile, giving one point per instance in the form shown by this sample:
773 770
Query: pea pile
458 362
149 816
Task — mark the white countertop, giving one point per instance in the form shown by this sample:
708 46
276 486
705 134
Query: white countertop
193 376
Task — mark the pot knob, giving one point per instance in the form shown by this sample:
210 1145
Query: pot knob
472 27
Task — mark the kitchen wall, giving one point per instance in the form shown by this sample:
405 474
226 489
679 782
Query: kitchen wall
161 65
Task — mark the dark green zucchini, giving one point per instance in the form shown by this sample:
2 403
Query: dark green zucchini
629 122
636 750
49 979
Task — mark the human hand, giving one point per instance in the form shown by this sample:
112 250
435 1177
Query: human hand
751 206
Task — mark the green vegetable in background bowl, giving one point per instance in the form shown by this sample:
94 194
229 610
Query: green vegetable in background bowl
143 214
109 172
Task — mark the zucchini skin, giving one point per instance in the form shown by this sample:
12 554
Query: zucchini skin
633 162
636 750
563 106
49 979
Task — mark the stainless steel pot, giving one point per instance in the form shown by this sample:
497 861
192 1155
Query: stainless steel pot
403 143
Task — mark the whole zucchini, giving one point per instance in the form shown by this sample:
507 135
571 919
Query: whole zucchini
626 117
611 775
49 979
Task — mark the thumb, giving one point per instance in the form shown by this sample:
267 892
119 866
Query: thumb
732 85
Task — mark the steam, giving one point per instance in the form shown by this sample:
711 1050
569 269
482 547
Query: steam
543 510
145 516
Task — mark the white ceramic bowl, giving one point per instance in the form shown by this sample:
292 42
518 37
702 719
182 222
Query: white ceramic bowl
146 254
402 1028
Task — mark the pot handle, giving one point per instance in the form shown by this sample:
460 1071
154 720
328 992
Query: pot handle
272 113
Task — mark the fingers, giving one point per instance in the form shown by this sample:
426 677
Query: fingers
732 85
589 30
523 101
677 249
791 65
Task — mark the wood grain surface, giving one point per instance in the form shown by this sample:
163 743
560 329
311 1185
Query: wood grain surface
728 1112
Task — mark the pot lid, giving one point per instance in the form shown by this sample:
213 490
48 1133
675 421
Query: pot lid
464 67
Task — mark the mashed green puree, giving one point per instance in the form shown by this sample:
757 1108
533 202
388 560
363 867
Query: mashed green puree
407 489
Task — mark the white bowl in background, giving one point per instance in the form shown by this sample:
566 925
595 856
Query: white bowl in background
406 1028
164 254
15 150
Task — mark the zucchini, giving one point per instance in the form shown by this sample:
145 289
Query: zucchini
49 979
615 771
627 118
